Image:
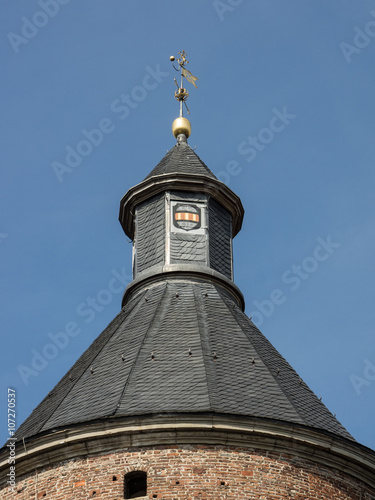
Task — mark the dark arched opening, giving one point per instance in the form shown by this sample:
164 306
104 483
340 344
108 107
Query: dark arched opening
135 484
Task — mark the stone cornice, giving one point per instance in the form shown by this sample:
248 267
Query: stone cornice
179 182
107 436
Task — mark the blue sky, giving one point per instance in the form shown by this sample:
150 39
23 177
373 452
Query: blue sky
304 259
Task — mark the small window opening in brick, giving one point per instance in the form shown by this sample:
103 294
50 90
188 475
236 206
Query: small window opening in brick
94 493
154 496
222 483
177 482
135 484
114 478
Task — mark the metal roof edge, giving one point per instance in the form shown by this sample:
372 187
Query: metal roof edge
156 274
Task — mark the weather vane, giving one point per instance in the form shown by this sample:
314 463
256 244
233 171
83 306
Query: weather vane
182 125
181 93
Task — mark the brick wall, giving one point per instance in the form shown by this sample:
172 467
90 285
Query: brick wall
191 472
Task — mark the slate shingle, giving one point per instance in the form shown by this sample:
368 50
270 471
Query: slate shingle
150 233
220 242
181 346
181 158
141 366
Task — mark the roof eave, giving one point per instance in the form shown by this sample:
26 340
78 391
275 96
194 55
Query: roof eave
106 435
179 182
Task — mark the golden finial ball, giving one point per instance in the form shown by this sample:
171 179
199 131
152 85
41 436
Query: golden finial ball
172 58
181 125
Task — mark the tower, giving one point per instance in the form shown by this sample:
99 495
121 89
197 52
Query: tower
181 396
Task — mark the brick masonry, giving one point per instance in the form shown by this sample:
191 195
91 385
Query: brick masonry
191 472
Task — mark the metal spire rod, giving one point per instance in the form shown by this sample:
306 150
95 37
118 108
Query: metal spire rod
181 86
181 126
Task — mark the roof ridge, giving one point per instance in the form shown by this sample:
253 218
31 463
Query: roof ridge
202 334
126 315
121 316
151 325
231 309
181 159
205 318
294 404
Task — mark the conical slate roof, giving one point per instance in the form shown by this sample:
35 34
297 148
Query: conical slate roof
181 159
181 346
182 343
